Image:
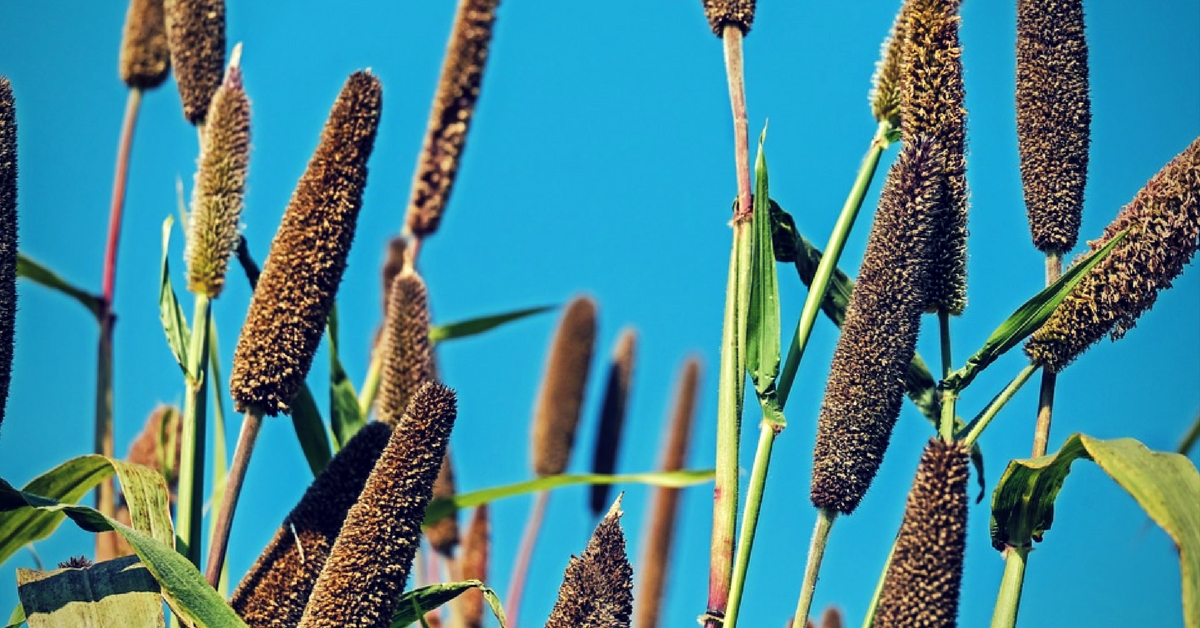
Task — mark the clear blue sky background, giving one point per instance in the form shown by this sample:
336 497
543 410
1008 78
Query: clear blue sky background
600 163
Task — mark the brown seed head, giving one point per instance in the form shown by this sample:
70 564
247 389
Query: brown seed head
158 445
443 535
597 588
196 37
561 397
612 415
476 549
8 236
304 268
922 584
145 58
75 562
369 563
220 184
866 380
931 93
831 618
276 589
885 84
1054 117
664 511
408 357
450 119
739 13
1164 232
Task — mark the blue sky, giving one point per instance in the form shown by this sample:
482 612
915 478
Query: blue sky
600 163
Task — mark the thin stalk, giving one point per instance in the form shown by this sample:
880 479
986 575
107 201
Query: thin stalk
816 552
233 489
734 72
106 495
873 606
370 387
758 481
980 423
1041 433
516 581
829 260
949 397
1008 600
191 456
1189 439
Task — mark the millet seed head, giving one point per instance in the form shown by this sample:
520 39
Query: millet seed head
560 399
408 357
296 290
476 551
8 236
612 415
866 380
443 535
921 589
720 13
393 263
1164 232
145 58
597 587
196 38
885 84
1054 117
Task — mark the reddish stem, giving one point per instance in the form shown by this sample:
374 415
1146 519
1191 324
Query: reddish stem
516 582
741 134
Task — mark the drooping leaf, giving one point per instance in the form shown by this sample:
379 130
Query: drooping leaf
442 506
17 618
68 482
118 592
1026 319
174 323
475 326
763 334
39 274
1166 485
344 417
414 604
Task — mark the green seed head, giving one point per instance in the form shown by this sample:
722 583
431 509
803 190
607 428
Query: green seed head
196 38
561 397
597 588
145 58
720 13
885 85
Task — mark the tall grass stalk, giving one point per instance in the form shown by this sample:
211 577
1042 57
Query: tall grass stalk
1008 600
191 460
972 431
816 553
251 423
949 397
1041 433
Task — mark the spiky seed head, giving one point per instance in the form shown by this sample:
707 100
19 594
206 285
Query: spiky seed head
612 415
450 119
196 38
879 335
369 564
393 263
597 588
8 236
561 397
922 584
739 13
932 105
1054 117
145 58
296 290
831 618
408 357
1164 232
885 84
158 445
476 551
443 535
276 589
220 184
664 509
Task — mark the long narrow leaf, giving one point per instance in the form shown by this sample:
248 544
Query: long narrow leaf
475 326
68 482
174 322
344 416
414 604
763 344
39 274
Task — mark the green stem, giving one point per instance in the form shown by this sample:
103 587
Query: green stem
869 619
829 260
980 423
370 387
949 397
1041 432
191 456
816 552
758 482
1008 600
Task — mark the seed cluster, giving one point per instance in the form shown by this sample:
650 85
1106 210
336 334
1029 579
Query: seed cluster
612 415
443 535
561 397
450 120
885 84
296 290
921 589
196 38
8 236
220 186
369 564
276 589
476 550
145 57
597 588
407 358
1054 117
866 380
1164 232
739 13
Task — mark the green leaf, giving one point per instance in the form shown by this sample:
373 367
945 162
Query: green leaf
1027 318
414 604
441 507
475 326
763 344
219 454
119 592
69 481
344 416
17 618
1166 485
174 323
39 274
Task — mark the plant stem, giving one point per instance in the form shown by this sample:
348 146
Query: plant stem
1041 433
370 387
816 552
949 397
233 489
516 582
732 39
191 456
1008 600
829 260
980 423
758 481
105 494
873 606
1189 439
